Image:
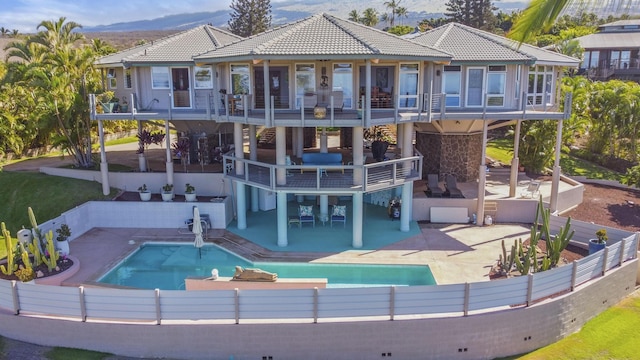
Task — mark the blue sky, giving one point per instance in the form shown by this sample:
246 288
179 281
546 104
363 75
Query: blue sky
25 15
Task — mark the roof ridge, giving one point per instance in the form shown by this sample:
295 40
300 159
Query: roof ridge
443 35
291 27
334 20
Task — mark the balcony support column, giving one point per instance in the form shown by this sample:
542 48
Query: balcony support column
405 207
300 142
482 176
253 155
324 206
323 141
267 93
399 136
281 154
169 165
358 154
555 180
357 220
407 151
104 166
515 161
241 196
238 142
281 206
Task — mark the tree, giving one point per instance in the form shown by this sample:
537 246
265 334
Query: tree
432 23
369 17
474 13
101 47
393 6
250 17
402 13
354 16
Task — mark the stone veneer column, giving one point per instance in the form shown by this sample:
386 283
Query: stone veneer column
450 154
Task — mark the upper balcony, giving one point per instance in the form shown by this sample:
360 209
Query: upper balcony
221 109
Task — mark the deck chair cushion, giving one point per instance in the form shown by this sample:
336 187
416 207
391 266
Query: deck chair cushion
306 210
339 210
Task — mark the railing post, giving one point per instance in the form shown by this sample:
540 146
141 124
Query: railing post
14 295
83 305
158 311
622 245
208 107
604 261
467 289
170 107
237 304
315 305
529 289
574 275
392 302
443 106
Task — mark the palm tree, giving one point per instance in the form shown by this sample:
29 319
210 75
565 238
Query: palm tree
392 5
370 17
4 31
401 11
101 47
541 14
59 34
354 16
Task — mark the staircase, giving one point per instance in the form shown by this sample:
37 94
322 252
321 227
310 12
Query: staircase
267 136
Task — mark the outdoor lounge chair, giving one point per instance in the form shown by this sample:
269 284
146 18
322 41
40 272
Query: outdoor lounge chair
339 214
452 187
305 213
532 189
433 185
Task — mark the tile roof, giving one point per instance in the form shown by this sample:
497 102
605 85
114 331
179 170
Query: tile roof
177 48
324 35
610 40
468 44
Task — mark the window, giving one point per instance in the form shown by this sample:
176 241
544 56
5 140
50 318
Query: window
203 77
240 82
408 84
496 81
541 80
475 86
305 81
111 78
127 78
451 81
159 77
343 81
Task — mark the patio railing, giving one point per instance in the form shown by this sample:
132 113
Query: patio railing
313 305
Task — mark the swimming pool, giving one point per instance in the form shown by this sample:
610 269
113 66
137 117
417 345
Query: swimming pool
165 266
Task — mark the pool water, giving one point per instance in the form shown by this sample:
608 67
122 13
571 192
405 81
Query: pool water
165 266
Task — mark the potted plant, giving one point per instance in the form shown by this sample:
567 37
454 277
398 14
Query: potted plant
124 107
181 151
63 235
190 193
146 138
145 194
167 192
599 242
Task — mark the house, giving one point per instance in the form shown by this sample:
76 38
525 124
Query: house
449 85
612 52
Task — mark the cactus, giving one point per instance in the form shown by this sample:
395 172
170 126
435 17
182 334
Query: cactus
505 261
11 265
558 243
51 256
34 249
35 230
25 257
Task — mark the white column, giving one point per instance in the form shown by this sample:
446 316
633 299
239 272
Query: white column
515 161
399 136
555 181
367 92
104 166
169 165
294 141
253 155
357 220
281 154
324 206
407 139
238 142
300 148
242 205
357 136
482 176
283 221
323 141
405 207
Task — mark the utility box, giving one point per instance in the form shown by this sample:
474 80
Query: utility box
24 236
266 200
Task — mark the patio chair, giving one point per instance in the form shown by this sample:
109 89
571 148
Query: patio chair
532 189
433 185
288 162
452 187
339 214
305 213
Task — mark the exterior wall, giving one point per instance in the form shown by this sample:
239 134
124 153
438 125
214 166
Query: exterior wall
514 331
450 154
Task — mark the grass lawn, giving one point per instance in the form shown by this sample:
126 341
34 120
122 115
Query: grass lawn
48 196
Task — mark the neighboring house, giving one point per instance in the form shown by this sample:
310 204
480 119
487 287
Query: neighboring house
613 52
449 84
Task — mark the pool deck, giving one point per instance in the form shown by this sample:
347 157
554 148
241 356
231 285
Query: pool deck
455 253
